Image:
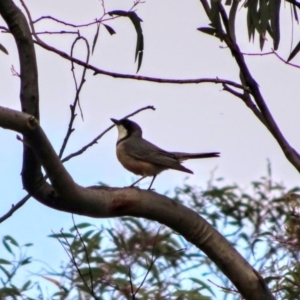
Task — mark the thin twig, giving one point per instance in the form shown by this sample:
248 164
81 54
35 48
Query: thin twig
127 76
14 207
247 100
153 260
98 71
95 140
257 54
285 61
72 257
57 32
86 255
76 99
82 81
224 288
131 285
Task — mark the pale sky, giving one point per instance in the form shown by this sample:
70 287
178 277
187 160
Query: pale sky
191 118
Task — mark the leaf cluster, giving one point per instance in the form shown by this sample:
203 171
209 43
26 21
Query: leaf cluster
262 221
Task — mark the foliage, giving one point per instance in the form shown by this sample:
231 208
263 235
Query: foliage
138 259
10 268
262 224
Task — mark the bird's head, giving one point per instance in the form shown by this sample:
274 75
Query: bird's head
127 128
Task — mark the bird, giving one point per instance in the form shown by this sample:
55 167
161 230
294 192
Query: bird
141 157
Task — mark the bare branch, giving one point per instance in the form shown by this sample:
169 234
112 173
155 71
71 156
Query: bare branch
14 207
285 61
76 99
291 154
88 262
95 140
138 77
247 100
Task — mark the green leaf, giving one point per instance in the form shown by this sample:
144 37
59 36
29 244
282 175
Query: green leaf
274 8
81 226
4 262
295 12
3 49
136 21
109 29
6 245
264 21
61 235
26 261
208 30
231 19
215 18
252 18
294 52
7 291
8 275
96 37
26 285
11 240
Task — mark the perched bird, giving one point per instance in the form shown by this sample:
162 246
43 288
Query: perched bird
141 157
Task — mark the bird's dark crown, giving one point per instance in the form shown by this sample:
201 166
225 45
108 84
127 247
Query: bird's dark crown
132 128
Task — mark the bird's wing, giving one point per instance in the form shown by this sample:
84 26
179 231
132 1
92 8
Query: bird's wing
148 152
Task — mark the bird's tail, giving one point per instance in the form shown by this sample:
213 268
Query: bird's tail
184 156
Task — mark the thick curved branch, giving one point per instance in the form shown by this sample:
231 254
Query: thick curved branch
15 207
103 202
29 94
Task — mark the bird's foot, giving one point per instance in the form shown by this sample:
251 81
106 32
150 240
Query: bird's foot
133 186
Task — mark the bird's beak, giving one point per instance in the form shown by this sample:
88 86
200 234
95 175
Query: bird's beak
117 122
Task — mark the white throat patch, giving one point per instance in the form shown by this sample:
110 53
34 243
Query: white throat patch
122 132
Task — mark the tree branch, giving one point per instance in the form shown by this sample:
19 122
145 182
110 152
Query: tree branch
291 154
29 93
104 202
95 140
137 77
14 208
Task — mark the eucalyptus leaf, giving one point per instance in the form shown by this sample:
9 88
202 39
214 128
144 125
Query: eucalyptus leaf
294 52
136 21
3 49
